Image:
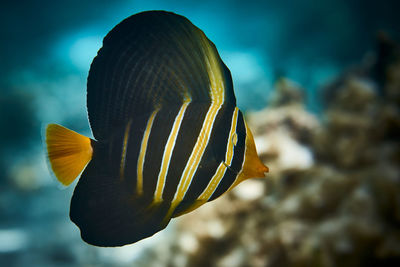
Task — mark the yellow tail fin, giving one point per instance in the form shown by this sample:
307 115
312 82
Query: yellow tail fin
68 152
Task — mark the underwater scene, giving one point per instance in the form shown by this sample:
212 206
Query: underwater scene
317 88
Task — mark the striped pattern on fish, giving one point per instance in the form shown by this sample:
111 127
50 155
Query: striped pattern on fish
168 134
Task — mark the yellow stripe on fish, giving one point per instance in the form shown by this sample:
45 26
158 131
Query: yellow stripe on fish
168 151
124 149
142 153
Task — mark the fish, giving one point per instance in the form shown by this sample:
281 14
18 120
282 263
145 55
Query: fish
168 136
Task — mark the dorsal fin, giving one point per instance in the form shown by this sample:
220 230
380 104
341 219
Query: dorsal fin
149 60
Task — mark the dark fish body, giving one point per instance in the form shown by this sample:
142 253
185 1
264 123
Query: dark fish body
169 136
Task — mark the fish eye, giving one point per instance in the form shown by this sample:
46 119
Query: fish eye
234 139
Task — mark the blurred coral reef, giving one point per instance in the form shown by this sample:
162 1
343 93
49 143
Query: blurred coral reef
332 197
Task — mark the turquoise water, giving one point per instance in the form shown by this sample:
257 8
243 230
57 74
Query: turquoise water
45 54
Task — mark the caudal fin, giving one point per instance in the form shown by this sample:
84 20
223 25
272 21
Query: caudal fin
68 152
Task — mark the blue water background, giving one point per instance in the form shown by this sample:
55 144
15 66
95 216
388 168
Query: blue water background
46 49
